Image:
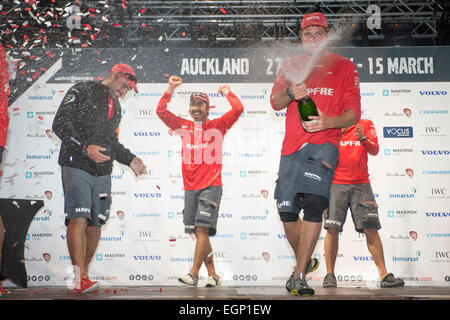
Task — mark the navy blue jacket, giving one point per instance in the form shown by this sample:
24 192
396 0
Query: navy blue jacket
82 120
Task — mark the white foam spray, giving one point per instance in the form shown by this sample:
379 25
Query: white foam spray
337 35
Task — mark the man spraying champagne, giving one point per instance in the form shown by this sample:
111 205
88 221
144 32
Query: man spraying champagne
310 148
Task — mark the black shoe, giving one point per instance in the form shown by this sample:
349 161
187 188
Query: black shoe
329 281
301 288
312 265
389 281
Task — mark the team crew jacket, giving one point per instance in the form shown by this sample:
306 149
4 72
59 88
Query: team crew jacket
352 162
201 142
4 94
84 118
333 85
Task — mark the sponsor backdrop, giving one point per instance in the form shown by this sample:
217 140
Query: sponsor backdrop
404 91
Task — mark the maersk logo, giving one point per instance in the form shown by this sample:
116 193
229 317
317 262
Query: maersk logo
398 132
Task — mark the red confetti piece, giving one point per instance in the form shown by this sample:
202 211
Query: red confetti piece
166 75
223 10
35 76
158 187
116 24
142 10
183 34
14 244
40 117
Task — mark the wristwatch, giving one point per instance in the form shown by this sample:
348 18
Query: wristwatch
289 93
84 150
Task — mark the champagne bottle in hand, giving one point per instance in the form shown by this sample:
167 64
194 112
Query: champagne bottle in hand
306 107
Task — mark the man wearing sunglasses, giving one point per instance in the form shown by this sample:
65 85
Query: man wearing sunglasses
87 123
201 167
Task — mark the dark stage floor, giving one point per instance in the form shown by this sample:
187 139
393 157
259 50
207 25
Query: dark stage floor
229 293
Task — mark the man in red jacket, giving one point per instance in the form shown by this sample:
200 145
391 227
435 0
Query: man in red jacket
310 149
351 189
201 167
4 123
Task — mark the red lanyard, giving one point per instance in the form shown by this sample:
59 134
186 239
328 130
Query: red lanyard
111 108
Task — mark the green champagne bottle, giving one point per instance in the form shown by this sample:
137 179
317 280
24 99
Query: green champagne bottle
306 107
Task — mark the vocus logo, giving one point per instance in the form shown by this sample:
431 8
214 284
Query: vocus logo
397 132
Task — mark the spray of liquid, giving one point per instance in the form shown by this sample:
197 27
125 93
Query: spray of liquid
336 36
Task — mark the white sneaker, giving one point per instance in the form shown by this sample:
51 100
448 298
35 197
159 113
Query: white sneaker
188 279
213 282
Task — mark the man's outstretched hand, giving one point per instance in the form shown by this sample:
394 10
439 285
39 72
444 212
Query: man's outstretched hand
138 166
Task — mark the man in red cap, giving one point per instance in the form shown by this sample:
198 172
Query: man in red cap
309 152
202 168
87 122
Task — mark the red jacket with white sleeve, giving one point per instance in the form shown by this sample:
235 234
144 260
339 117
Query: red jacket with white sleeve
201 142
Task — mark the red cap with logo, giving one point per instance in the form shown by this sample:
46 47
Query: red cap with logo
314 19
126 72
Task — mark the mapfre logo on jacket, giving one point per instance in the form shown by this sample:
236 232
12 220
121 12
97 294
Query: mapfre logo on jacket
321 91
